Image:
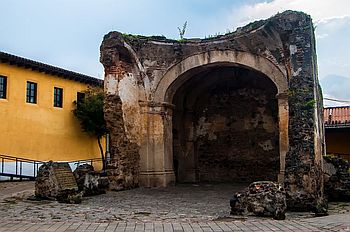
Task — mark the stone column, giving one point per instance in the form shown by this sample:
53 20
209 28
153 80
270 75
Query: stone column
156 154
304 176
283 122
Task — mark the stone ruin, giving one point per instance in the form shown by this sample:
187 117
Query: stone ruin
56 181
89 181
336 178
264 198
240 107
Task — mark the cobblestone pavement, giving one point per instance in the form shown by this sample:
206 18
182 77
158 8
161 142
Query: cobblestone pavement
9 188
180 208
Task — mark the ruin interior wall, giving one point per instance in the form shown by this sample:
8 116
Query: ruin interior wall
227 130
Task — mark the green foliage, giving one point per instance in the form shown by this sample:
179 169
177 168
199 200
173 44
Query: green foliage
182 31
132 37
310 104
90 112
218 34
291 92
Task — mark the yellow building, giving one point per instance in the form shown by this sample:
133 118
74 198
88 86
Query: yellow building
36 103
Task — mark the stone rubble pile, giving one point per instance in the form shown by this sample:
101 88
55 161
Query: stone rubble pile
263 198
52 184
337 178
89 181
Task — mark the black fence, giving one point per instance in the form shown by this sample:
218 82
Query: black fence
15 168
97 163
18 168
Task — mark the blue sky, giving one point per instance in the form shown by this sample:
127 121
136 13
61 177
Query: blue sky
68 33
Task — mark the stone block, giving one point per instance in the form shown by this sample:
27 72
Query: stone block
55 181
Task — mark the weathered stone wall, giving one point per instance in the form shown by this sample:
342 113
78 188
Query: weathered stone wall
304 178
146 72
235 128
241 143
123 170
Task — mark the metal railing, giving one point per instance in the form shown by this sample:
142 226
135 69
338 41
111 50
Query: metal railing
19 168
16 168
97 163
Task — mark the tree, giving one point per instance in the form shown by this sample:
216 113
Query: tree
89 112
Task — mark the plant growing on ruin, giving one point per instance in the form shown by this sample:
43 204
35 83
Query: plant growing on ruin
182 31
89 112
310 104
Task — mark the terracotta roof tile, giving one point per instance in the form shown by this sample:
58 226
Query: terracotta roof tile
337 116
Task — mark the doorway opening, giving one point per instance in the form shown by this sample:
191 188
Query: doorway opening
225 126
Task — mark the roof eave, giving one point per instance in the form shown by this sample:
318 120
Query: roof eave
48 69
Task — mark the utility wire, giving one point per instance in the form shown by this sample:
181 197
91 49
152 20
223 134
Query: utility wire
336 100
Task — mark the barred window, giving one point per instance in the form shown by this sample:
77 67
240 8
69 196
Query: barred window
58 97
31 92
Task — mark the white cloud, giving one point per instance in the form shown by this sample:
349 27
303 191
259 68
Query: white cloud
333 25
332 20
320 10
333 50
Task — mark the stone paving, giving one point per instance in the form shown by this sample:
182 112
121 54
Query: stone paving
180 208
161 227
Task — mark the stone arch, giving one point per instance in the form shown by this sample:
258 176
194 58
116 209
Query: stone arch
166 86
258 63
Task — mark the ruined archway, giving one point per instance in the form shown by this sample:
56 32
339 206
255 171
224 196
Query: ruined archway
162 93
237 69
143 74
225 126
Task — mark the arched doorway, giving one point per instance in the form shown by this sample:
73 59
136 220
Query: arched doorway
225 126
234 69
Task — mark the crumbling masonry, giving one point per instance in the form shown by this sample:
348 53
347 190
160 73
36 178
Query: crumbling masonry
239 107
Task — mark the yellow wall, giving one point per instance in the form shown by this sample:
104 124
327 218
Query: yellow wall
41 131
338 142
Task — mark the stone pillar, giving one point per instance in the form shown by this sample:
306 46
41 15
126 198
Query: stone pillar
304 175
283 121
156 154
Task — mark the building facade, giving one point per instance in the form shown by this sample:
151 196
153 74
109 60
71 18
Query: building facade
337 131
36 103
